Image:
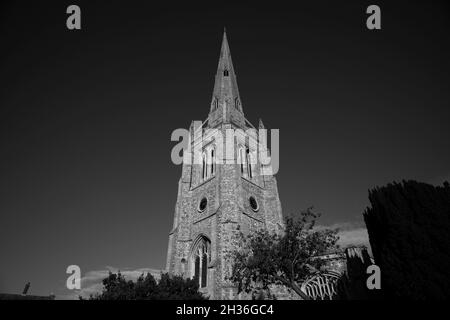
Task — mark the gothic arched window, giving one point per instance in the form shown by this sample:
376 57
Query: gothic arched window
204 171
200 257
249 163
213 162
322 286
215 103
225 73
237 104
241 160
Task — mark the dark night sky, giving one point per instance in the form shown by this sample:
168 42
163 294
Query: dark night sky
86 117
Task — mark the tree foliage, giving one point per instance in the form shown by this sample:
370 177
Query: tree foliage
169 287
264 259
408 225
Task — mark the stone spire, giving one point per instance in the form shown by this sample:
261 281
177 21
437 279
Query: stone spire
226 104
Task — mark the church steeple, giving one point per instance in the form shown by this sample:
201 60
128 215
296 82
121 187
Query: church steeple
221 193
226 104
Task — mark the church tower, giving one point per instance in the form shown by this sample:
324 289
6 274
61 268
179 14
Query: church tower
224 189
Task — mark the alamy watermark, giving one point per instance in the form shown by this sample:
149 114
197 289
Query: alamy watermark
73 282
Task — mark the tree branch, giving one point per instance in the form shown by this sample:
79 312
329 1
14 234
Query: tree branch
294 286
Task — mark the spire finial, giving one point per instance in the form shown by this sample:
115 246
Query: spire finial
261 124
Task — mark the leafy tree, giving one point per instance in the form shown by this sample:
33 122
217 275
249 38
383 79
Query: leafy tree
408 225
116 287
178 288
287 259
